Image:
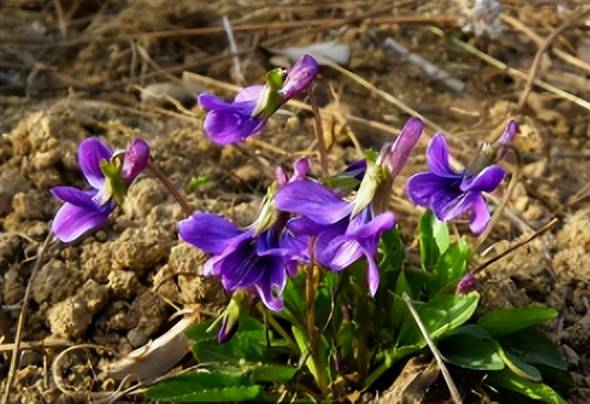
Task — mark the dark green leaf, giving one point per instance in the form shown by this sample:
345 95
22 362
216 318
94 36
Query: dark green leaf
391 249
520 367
449 268
273 373
249 344
534 346
440 315
201 387
536 391
471 347
434 240
506 321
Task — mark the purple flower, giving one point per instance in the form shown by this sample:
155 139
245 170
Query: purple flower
340 239
84 210
232 122
467 284
242 259
450 194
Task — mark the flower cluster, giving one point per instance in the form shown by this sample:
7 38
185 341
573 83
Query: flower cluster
332 222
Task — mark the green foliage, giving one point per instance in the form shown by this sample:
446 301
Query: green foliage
472 347
506 321
366 336
434 240
537 391
204 387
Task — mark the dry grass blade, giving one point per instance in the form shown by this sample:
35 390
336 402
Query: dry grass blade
383 94
512 71
437 355
575 15
563 55
22 319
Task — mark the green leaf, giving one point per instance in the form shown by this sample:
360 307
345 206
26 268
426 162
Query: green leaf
273 373
536 391
391 249
196 182
440 315
472 347
249 344
520 367
450 267
506 321
534 346
199 387
434 240
323 348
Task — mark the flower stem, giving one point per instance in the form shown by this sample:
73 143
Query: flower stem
312 330
277 327
165 181
363 332
319 133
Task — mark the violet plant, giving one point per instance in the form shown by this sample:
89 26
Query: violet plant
315 283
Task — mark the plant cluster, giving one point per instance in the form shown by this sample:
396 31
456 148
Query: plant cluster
323 302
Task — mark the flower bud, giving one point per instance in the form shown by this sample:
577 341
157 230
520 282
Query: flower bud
135 160
230 317
467 284
395 156
299 77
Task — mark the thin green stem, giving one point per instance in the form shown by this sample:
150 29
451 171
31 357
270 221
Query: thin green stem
278 328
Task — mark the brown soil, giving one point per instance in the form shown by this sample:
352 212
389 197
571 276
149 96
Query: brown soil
118 286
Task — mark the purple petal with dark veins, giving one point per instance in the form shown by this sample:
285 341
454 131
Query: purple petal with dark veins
73 221
75 196
313 200
422 186
437 155
486 181
459 206
480 216
271 285
225 127
90 153
211 233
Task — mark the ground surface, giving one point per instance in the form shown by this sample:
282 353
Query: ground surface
70 69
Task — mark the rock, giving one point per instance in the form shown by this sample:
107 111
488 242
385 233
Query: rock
14 290
11 182
54 282
122 283
143 195
139 250
31 205
151 313
72 317
9 246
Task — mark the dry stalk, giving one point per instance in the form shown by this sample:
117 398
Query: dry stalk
22 319
455 395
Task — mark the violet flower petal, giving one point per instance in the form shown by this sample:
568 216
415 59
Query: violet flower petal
74 196
72 221
135 160
420 187
313 200
486 181
209 232
225 127
301 167
249 94
459 205
437 155
90 152
209 102
507 137
480 217
242 267
271 285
